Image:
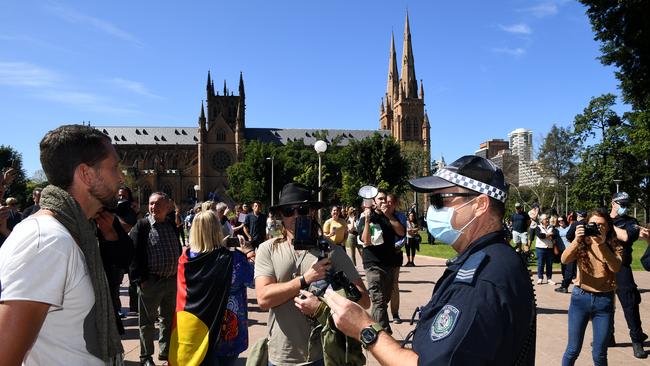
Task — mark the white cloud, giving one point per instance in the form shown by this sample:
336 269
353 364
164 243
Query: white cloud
542 10
520 28
50 85
516 52
86 101
133 86
74 16
26 74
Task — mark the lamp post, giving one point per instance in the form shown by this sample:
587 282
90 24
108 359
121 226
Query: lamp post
617 182
196 192
320 146
566 198
272 158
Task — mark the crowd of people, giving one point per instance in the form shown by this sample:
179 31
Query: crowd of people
64 258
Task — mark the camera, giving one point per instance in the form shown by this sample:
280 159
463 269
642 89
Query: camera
232 242
591 229
338 281
307 238
122 209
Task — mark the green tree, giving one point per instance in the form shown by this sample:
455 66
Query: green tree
375 160
598 133
624 30
9 157
556 158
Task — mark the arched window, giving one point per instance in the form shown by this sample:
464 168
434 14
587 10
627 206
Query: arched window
190 193
167 188
221 135
146 192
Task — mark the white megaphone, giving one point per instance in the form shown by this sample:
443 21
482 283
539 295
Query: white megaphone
368 193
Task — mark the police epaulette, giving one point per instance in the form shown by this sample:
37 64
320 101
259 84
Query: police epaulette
466 272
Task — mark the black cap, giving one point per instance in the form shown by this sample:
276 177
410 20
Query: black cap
582 213
622 198
470 171
297 194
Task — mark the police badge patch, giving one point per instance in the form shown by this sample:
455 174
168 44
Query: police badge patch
444 322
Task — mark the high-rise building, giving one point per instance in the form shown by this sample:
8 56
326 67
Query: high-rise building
509 163
521 144
491 148
402 108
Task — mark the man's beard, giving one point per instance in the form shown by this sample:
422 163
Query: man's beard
106 196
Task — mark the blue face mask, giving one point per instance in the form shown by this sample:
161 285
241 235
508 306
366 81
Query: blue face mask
621 211
439 224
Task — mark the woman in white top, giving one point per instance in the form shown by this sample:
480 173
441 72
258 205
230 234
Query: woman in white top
546 236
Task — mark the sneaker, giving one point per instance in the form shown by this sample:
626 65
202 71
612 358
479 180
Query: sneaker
397 319
147 362
539 281
637 348
562 290
551 282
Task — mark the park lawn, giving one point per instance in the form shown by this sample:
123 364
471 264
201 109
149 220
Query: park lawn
440 250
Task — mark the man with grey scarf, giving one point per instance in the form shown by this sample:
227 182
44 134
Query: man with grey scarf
55 306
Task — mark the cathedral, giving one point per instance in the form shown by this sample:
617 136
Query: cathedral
190 162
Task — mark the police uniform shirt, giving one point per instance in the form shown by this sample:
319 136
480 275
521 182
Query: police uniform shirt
481 311
630 225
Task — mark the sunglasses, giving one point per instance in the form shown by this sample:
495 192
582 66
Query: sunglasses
289 211
437 199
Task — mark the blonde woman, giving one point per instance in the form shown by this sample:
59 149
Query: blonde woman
211 322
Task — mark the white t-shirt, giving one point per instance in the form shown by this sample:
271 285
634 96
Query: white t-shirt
41 262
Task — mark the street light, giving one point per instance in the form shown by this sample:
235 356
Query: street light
617 182
272 158
196 192
566 198
320 146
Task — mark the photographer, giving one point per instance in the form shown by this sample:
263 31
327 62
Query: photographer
597 254
281 271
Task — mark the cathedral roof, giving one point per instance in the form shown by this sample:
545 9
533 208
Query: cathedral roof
310 136
121 135
151 135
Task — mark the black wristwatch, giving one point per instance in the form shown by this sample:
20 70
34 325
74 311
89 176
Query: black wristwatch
369 334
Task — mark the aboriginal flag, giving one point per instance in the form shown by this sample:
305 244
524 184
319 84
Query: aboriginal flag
203 286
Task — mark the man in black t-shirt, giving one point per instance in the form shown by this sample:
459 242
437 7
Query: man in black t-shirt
378 240
520 223
255 225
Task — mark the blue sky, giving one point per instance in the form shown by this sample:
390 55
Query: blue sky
488 66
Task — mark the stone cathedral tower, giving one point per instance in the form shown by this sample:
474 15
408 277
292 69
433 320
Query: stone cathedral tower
220 136
402 108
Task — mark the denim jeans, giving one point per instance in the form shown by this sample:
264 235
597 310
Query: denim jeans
600 308
544 259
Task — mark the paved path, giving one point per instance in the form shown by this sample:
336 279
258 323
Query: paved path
416 285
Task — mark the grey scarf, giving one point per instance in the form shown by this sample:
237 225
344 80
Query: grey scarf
100 327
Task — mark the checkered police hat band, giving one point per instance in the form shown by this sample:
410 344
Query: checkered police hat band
473 184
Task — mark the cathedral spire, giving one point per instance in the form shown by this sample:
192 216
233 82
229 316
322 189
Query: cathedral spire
421 89
202 119
208 88
393 76
408 79
241 85
225 89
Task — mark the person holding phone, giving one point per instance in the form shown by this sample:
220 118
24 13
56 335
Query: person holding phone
282 271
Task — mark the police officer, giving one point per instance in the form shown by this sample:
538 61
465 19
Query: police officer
627 231
482 311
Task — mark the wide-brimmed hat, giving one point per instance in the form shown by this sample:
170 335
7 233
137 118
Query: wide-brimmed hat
297 194
470 171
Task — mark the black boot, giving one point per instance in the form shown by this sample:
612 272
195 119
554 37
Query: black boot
637 348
